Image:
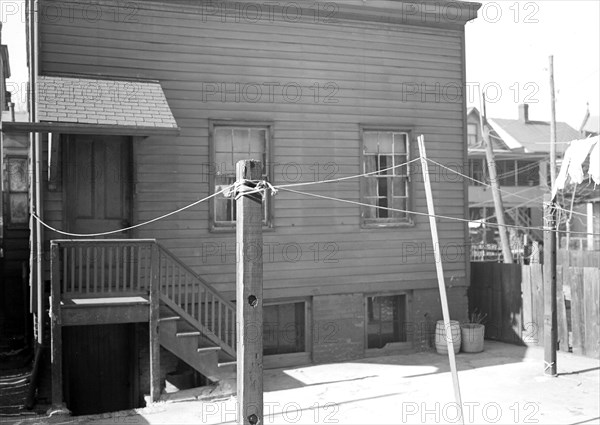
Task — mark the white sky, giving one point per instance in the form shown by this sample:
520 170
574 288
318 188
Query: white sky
507 49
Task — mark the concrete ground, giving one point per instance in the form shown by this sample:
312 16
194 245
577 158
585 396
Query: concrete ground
505 384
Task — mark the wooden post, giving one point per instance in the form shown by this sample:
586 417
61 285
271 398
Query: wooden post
440 274
249 297
154 324
489 154
550 325
552 126
55 329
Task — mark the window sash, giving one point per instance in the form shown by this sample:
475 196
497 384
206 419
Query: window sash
386 320
284 328
230 145
386 186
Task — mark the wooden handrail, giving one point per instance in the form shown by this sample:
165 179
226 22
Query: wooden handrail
119 267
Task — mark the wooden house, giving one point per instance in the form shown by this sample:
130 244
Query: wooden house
144 108
522 156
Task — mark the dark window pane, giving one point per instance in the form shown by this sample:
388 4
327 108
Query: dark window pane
284 329
386 320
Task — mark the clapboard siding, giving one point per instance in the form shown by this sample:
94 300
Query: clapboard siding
373 66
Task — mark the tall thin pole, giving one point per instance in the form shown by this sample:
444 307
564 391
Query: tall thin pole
550 322
498 205
552 126
440 274
249 296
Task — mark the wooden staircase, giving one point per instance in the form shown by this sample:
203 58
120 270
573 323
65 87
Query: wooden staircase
187 343
195 322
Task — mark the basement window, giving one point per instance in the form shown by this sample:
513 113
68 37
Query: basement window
386 320
284 328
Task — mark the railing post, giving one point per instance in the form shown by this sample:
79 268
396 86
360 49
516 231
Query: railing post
153 324
55 329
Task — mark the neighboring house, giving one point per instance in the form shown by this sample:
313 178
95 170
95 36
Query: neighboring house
586 201
139 118
590 126
14 214
521 149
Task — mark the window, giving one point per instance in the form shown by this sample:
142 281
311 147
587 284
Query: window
472 137
386 320
528 173
284 328
232 143
384 152
505 171
518 172
18 206
477 171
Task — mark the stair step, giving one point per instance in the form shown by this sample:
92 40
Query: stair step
186 334
204 349
225 364
169 319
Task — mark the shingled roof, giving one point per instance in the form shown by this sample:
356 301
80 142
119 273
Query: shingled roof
103 102
534 136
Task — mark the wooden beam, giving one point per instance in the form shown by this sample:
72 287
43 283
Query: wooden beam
550 326
105 314
249 297
440 274
75 128
154 324
55 329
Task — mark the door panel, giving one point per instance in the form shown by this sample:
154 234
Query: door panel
98 184
100 368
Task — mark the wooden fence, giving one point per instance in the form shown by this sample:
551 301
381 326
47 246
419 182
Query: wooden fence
512 296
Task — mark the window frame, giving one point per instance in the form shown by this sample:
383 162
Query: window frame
407 318
302 357
268 169
386 223
470 134
8 192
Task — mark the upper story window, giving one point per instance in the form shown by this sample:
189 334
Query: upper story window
477 171
386 154
518 172
472 136
230 144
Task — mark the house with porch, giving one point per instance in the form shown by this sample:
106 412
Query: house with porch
522 153
142 110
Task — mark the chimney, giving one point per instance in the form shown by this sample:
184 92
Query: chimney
524 113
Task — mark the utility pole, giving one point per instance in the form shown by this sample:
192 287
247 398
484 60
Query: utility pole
550 237
489 154
550 322
552 126
249 294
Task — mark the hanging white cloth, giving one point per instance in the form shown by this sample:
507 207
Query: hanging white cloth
572 165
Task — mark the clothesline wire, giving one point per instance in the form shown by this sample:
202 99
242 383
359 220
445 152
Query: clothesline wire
348 201
288 186
513 194
112 232
384 170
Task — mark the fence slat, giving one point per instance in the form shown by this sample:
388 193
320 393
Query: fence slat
527 303
591 295
537 286
561 312
577 309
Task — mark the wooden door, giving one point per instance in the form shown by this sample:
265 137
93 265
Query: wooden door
98 184
100 368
